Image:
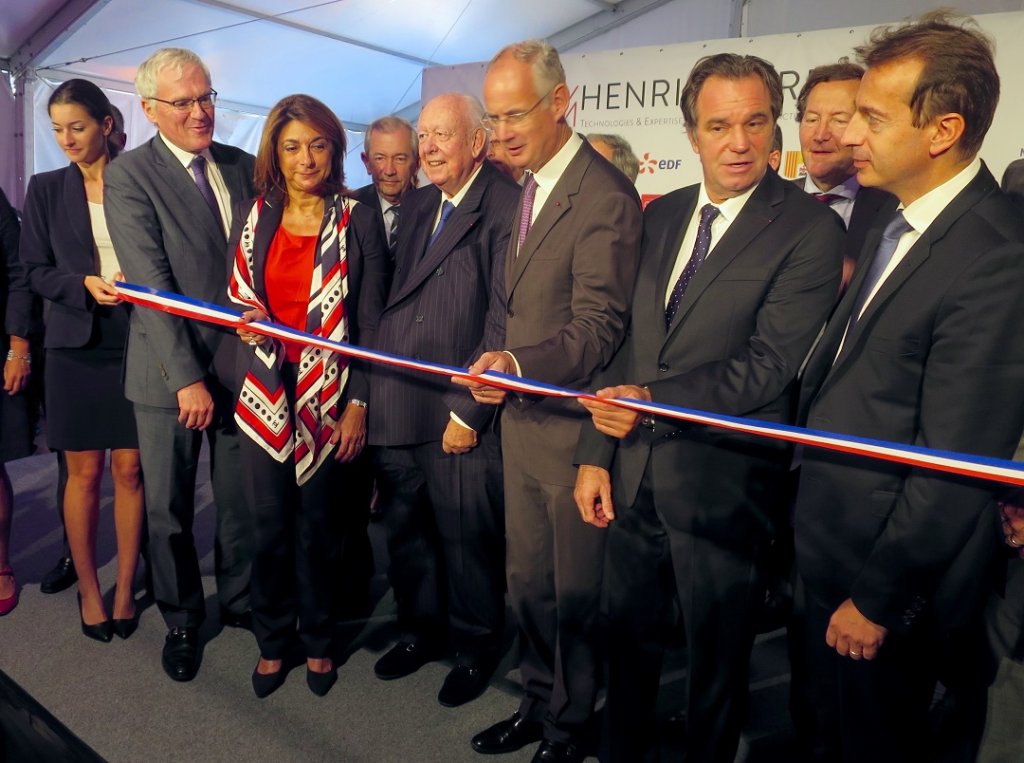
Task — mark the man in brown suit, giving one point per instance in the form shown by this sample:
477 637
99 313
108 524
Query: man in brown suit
568 278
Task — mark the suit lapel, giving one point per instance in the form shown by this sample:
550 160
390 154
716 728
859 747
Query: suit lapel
179 178
411 251
77 206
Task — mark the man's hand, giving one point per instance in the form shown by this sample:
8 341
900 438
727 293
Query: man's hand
350 434
853 635
593 495
195 406
489 361
1013 526
103 292
18 369
457 438
250 337
612 420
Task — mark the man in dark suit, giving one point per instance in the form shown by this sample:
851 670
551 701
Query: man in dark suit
568 278
823 109
169 207
737 276
392 161
439 467
924 348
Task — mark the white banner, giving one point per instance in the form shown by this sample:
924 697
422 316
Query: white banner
635 93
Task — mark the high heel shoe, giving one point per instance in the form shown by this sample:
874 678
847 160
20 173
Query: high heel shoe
265 684
7 605
321 683
125 627
99 631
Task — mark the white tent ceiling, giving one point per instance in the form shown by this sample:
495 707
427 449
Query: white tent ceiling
362 57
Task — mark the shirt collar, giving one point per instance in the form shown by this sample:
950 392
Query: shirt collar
458 197
847 189
730 208
548 175
183 156
922 211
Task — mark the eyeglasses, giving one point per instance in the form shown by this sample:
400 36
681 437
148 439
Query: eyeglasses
490 121
439 136
185 104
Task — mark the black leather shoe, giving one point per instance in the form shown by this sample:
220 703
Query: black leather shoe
403 659
508 735
557 752
99 631
241 620
321 683
463 684
60 577
265 684
125 628
181 654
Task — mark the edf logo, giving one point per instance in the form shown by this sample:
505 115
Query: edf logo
649 164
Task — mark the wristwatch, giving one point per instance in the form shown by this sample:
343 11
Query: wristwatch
357 403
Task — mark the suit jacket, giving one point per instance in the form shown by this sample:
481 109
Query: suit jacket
439 303
15 294
367 195
937 359
165 237
867 208
58 250
366 257
745 323
567 298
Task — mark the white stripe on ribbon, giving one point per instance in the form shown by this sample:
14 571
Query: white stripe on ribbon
994 469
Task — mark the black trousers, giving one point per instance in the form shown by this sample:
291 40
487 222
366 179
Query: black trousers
444 516
650 568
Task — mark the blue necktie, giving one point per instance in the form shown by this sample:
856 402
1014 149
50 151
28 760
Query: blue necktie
198 167
883 254
446 211
700 252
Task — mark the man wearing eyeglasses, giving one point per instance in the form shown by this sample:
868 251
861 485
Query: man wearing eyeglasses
169 209
569 275
824 107
439 464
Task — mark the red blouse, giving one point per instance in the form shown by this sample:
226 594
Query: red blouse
287 275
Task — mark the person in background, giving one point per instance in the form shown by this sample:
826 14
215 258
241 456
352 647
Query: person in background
309 257
71 263
392 160
617 150
775 155
15 429
498 156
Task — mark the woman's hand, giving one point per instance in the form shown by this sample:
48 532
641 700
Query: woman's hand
248 336
350 434
104 294
18 369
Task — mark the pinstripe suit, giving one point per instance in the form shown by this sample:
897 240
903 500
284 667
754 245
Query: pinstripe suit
444 512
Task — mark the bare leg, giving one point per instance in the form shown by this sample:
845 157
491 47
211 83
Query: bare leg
6 510
129 508
320 664
81 517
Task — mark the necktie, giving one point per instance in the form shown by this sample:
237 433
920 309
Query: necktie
883 254
393 230
198 167
446 211
828 198
700 251
526 217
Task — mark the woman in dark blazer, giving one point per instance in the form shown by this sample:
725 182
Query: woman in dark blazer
309 257
71 262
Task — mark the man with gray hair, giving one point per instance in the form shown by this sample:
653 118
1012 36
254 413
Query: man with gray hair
169 207
439 460
617 150
391 159
569 274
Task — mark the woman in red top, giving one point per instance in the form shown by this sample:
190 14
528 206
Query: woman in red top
309 257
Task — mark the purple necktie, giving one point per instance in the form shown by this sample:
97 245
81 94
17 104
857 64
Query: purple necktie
828 198
198 167
883 254
526 217
700 251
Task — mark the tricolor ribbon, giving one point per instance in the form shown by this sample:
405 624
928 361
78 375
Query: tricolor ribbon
993 469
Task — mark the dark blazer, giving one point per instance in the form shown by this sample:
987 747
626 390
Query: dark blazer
937 359
367 278
743 327
58 251
438 306
567 300
367 195
166 237
867 206
15 294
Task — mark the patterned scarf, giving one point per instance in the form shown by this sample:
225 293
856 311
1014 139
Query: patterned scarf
262 411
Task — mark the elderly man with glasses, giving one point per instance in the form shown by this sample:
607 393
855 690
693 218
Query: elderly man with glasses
169 210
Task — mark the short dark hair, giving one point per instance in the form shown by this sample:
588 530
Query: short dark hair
90 97
843 71
777 139
958 75
307 109
730 66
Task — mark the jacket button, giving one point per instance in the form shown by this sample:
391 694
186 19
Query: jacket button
439 272
663 367
419 319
